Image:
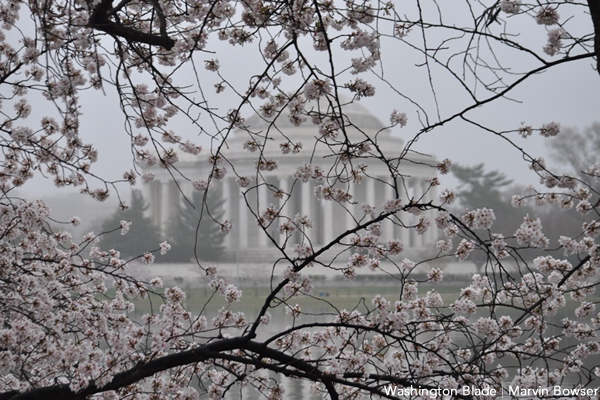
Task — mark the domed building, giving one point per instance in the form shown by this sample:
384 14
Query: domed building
284 189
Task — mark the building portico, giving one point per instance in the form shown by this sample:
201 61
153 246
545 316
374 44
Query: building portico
284 190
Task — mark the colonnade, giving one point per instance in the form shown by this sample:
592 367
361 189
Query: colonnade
329 218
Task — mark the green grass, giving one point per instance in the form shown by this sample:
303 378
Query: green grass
323 297
347 297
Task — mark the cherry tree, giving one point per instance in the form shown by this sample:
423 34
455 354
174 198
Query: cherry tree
67 329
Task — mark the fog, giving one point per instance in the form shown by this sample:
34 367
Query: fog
568 94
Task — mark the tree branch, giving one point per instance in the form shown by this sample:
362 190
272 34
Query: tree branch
99 19
137 373
595 13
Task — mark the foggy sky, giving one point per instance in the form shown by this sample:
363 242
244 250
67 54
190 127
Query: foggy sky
568 94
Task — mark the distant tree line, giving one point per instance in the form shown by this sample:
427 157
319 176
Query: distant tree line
191 233
494 190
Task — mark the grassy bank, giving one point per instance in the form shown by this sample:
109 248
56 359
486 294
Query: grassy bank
324 297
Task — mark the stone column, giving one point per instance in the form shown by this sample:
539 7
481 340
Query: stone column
226 194
350 223
404 233
432 232
243 222
388 226
156 203
149 195
327 221
418 193
165 206
186 190
283 206
305 207
370 188
262 205
174 200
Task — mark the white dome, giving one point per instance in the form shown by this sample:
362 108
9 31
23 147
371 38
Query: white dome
354 114
359 123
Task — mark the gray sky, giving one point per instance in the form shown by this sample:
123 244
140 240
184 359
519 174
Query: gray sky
567 94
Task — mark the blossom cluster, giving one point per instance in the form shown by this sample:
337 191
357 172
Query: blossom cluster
62 323
69 307
482 218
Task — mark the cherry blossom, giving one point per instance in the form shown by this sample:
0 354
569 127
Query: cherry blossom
79 321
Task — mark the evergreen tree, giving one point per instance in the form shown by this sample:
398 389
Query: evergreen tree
143 235
479 188
576 150
491 189
194 226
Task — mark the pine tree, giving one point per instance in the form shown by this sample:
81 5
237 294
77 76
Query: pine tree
194 226
143 235
480 188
